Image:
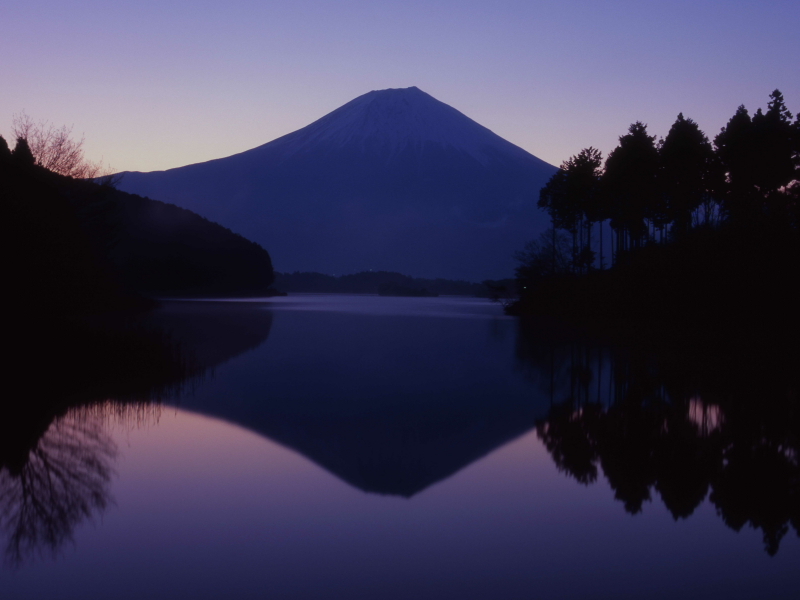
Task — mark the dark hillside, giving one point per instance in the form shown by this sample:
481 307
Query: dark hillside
86 247
50 263
162 249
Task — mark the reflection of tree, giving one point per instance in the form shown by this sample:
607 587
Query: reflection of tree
650 429
759 484
55 453
686 457
63 480
566 435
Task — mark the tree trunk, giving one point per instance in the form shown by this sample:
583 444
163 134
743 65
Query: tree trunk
601 245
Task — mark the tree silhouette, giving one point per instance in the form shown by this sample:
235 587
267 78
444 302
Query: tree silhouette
778 159
22 153
760 159
553 197
630 185
685 176
542 258
571 198
5 151
584 178
774 131
735 148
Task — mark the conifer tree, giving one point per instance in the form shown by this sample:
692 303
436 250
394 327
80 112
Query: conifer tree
583 175
5 151
570 197
777 154
630 185
553 198
759 156
685 172
735 148
22 153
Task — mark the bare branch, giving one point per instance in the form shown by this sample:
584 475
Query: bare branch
55 149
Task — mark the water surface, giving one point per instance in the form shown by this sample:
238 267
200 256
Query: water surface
368 447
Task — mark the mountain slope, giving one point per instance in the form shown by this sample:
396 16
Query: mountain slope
393 180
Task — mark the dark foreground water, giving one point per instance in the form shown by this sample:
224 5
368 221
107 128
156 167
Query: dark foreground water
367 447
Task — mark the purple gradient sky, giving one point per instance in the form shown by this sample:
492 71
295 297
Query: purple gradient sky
160 84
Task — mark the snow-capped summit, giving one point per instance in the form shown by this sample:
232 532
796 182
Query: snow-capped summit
393 180
395 119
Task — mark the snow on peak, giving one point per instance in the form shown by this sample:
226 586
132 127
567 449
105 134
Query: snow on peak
394 119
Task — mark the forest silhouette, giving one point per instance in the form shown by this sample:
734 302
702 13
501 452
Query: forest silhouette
701 235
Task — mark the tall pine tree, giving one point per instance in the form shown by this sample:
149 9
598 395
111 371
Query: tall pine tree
685 174
630 185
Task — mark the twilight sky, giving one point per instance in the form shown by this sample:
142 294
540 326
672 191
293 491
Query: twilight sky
156 84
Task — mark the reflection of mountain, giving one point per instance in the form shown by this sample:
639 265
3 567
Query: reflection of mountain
389 451
55 456
389 404
725 428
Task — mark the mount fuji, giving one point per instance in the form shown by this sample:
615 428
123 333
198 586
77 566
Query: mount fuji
393 180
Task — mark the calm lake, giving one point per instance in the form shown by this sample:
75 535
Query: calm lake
325 446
